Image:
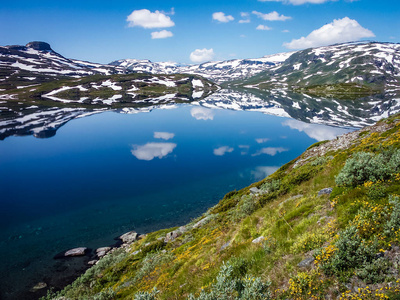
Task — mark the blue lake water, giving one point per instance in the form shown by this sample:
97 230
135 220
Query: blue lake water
109 173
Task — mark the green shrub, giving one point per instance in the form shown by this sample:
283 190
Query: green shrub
228 286
374 271
271 186
365 166
351 252
146 295
393 224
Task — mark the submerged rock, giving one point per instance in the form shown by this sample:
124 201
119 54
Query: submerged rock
39 286
80 251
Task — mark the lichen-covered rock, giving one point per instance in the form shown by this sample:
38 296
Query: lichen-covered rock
325 191
100 252
129 237
174 234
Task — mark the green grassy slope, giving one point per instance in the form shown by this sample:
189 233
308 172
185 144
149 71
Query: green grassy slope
349 238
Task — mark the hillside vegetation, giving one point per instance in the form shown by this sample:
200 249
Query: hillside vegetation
291 238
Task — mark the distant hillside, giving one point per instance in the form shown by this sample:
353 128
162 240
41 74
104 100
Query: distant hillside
344 71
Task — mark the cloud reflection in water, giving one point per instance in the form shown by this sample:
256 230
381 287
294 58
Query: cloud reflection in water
151 150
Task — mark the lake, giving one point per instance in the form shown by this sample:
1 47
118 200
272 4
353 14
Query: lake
108 173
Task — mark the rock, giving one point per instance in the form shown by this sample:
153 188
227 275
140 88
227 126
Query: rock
306 262
76 252
41 46
254 190
258 240
102 251
92 262
129 237
325 191
174 234
39 286
201 222
224 246
136 252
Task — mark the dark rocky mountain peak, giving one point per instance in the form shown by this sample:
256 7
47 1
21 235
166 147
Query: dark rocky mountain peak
40 46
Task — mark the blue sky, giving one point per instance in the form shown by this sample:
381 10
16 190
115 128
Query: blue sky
99 31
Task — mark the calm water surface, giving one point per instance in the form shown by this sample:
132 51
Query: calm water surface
109 173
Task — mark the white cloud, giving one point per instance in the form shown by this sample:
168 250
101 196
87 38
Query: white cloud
242 36
161 34
263 171
163 135
221 17
262 140
244 21
244 14
272 16
263 27
202 55
271 151
298 2
285 31
339 31
314 131
151 150
201 113
222 150
147 19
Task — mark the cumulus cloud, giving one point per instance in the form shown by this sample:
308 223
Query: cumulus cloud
272 16
150 151
161 34
147 19
221 17
202 55
222 150
339 31
201 113
315 131
298 2
163 135
271 151
263 27
245 16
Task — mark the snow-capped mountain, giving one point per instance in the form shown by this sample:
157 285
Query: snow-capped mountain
319 71
220 71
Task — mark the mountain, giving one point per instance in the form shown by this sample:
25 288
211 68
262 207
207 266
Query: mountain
218 72
344 71
37 62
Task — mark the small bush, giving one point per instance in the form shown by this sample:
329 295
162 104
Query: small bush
146 295
365 166
393 224
306 286
309 241
374 271
271 186
229 286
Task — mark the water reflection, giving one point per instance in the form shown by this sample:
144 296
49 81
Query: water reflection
201 113
272 151
222 150
150 151
315 131
261 172
163 135
44 123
